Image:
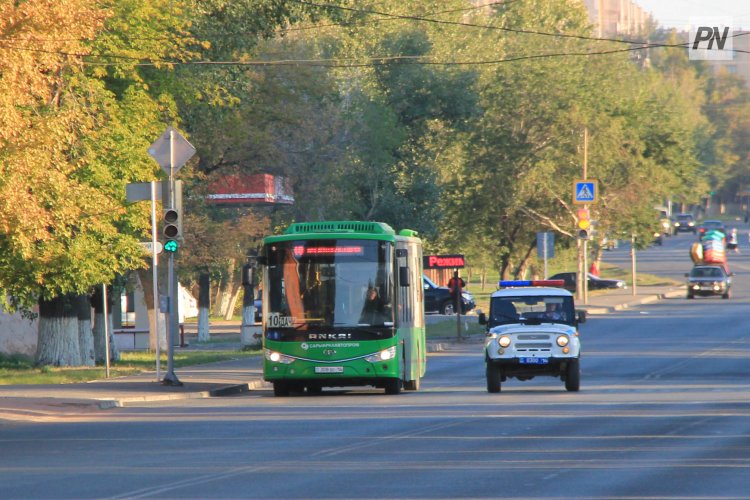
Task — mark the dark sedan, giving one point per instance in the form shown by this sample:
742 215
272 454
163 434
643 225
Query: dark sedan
711 225
437 299
595 283
709 280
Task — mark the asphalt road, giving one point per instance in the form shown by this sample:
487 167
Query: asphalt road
663 412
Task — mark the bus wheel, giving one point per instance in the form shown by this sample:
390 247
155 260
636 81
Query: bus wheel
280 389
493 378
392 386
314 389
411 385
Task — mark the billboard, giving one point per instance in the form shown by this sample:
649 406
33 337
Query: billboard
247 189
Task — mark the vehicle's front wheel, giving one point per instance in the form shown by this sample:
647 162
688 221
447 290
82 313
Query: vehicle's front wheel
726 295
493 378
393 386
411 385
447 308
690 296
573 376
280 389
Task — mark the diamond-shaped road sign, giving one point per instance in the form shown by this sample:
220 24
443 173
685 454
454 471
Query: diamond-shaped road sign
171 154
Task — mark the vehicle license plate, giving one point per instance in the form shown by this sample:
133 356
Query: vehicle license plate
534 361
329 369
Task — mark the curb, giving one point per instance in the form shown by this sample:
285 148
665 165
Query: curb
649 299
229 390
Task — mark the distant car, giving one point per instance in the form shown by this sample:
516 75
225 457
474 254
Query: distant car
595 283
437 299
683 223
711 225
708 280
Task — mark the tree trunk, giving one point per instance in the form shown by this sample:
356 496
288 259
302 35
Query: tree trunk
99 339
57 344
204 305
216 303
85 334
233 297
146 281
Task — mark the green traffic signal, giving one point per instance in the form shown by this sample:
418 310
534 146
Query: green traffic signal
170 246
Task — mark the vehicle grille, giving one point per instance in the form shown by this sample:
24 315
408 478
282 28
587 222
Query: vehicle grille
534 347
539 343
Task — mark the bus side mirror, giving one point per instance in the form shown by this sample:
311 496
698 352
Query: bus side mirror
403 276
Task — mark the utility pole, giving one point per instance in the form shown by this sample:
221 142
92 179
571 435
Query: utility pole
585 276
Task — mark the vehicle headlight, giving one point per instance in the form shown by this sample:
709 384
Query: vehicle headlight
696 286
383 355
691 224
504 341
563 340
277 357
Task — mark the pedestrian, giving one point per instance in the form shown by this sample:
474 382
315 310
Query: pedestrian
594 269
733 244
456 285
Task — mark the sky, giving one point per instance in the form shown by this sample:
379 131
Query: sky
677 13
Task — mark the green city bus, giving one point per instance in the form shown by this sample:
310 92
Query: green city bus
343 306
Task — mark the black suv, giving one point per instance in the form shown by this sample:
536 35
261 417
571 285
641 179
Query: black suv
683 223
437 299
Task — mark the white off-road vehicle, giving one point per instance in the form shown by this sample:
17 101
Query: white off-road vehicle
532 330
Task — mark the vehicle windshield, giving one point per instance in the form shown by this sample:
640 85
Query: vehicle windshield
706 272
539 308
330 283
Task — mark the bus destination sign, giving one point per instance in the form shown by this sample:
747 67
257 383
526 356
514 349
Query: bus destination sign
443 261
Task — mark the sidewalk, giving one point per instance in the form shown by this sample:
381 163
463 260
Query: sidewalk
26 403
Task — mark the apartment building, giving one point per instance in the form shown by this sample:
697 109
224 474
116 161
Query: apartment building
616 17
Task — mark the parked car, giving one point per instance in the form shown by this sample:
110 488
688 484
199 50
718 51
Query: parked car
595 283
708 280
711 225
258 303
437 299
683 223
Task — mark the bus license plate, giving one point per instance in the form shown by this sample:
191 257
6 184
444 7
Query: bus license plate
534 361
329 369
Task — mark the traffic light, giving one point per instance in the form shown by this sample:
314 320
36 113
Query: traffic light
171 246
172 224
584 223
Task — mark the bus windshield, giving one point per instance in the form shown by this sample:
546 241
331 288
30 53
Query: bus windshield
331 282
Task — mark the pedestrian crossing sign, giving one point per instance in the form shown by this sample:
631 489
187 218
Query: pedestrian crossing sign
585 191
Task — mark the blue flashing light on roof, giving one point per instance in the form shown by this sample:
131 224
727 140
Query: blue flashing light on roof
522 283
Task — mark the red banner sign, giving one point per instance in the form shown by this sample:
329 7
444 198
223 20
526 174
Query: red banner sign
443 261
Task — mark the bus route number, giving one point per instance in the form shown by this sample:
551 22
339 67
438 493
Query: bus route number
275 320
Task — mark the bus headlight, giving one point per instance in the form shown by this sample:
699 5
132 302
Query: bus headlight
562 340
383 355
277 357
503 341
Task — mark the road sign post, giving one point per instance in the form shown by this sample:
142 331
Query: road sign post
171 151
